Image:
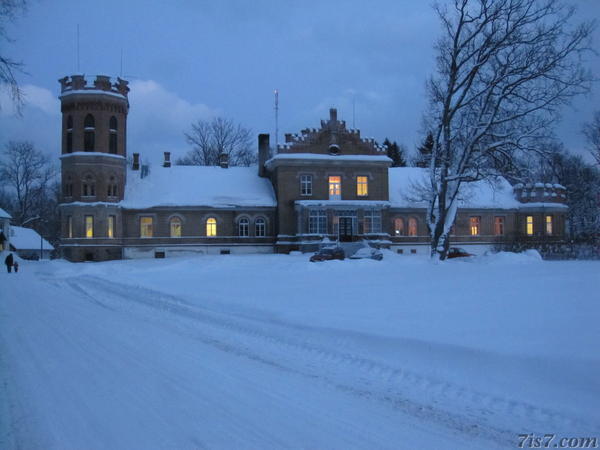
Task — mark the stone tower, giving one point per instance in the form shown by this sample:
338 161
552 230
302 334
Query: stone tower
93 165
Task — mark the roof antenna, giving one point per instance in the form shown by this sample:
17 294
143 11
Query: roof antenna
354 112
121 68
276 118
78 70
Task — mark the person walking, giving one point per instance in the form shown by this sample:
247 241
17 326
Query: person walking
9 262
16 266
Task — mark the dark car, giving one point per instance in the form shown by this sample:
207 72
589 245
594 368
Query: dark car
456 252
328 253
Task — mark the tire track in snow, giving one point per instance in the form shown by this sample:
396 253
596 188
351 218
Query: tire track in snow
303 351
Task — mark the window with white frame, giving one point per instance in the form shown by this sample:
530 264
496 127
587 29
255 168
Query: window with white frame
306 185
317 221
244 227
260 227
372 223
175 227
335 188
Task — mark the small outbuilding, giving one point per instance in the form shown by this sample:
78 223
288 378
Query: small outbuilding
4 229
28 244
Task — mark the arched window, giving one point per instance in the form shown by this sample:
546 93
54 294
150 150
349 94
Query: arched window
69 134
89 133
211 226
69 186
112 187
399 227
412 226
88 187
244 227
260 227
175 226
112 136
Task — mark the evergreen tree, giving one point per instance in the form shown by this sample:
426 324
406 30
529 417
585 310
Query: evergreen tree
396 153
423 157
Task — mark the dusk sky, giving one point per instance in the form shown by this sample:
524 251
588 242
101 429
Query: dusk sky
189 60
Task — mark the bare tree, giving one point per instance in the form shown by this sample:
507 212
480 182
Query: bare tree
27 177
212 138
504 69
9 9
592 133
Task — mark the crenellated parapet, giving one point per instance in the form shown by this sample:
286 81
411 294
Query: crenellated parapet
332 138
540 193
101 84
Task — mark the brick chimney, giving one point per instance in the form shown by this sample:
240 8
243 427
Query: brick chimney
263 153
332 114
136 162
167 162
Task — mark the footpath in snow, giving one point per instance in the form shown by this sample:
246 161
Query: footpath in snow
271 351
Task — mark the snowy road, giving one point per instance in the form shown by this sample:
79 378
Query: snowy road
89 363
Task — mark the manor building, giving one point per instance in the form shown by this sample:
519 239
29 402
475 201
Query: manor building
321 185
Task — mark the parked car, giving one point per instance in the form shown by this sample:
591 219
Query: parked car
456 252
368 252
328 253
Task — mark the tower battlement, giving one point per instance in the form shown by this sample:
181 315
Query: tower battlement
101 84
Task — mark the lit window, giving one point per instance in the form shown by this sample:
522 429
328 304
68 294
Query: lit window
499 226
244 227
475 225
335 188
362 186
529 228
399 226
70 227
110 231
211 226
317 221
89 226
112 137
549 225
260 227
175 227
306 185
412 226
146 227
372 222
89 135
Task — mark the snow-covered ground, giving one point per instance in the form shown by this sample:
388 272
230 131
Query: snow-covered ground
272 351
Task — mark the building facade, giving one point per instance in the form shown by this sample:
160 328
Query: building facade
321 185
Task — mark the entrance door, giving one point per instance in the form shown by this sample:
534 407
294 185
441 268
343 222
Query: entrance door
345 230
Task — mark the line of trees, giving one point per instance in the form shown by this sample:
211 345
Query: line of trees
30 188
504 70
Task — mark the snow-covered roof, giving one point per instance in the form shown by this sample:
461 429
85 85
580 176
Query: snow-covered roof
198 186
27 239
408 184
4 214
